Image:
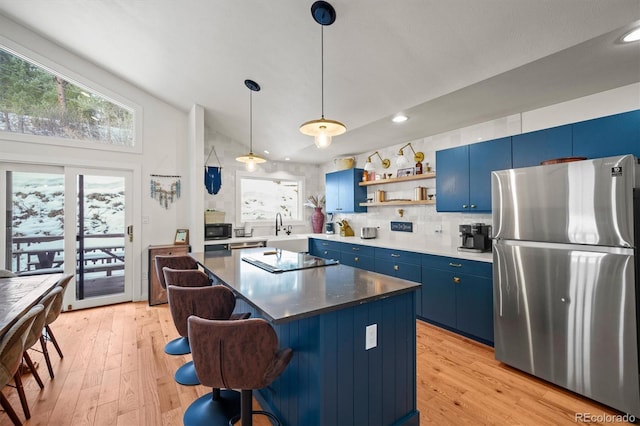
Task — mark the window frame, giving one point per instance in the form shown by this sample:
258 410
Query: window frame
240 174
81 82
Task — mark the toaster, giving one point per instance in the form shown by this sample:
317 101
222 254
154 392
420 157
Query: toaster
368 232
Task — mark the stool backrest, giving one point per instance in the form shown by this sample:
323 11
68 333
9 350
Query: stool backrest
12 344
185 277
174 262
210 302
241 354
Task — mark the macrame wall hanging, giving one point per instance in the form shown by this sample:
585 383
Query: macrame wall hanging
165 189
212 175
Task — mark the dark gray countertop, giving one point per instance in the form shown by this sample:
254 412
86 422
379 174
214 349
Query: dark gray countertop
292 295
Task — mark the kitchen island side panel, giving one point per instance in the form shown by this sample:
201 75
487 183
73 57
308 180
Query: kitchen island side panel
332 379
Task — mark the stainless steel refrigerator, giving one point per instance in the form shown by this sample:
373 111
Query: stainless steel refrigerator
565 267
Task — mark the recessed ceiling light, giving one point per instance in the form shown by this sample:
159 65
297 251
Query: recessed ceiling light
632 36
400 118
265 151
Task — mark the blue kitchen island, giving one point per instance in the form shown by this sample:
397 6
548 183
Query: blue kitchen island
353 333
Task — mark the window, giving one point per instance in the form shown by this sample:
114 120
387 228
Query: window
260 197
35 101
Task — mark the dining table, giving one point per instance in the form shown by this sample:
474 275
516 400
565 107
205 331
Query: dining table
19 294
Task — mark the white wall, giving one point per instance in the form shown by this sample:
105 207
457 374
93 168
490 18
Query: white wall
426 221
225 200
164 134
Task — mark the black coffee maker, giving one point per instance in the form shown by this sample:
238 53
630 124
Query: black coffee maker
476 237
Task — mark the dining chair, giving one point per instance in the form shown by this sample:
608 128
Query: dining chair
4 273
11 350
37 333
54 312
240 354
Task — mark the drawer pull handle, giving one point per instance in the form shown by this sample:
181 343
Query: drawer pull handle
395 255
396 268
457 265
325 244
456 280
355 248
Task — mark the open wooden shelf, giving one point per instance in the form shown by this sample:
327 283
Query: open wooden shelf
398 203
429 175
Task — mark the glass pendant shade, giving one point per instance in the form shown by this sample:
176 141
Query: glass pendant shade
368 166
251 159
322 129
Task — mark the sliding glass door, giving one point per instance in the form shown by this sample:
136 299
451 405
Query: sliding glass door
72 220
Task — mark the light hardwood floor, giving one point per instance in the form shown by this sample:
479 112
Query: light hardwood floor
115 373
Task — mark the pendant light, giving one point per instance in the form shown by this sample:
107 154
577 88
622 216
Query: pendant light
323 129
251 159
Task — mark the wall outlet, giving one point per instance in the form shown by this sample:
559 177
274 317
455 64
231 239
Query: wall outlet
371 339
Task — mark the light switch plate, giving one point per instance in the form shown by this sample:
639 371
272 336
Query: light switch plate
371 339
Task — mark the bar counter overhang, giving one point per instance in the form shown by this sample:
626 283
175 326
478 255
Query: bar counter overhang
322 313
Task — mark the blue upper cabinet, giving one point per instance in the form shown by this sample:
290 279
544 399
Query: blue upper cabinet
452 181
343 194
608 136
463 182
484 158
530 149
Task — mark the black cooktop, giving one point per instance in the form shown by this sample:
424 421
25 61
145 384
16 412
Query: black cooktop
283 260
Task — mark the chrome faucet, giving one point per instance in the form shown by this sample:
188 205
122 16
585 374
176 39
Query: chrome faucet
278 227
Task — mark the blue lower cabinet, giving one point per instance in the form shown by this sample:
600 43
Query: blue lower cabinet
357 261
438 297
398 263
324 249
474 304
458 295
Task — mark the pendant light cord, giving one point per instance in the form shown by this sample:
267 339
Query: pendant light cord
251 121
322 68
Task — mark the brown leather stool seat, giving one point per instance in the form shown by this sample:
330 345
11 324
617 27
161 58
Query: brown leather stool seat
211 302
239 354
180 345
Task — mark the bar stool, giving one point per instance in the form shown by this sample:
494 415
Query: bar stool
185 277
211 302
239 354
11 350
179 346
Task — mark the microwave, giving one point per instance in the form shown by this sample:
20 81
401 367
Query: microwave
217 231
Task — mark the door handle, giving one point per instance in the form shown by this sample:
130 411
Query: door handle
473 206
396 268
464 206
356 259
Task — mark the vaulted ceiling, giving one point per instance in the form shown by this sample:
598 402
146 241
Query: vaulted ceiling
446 64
